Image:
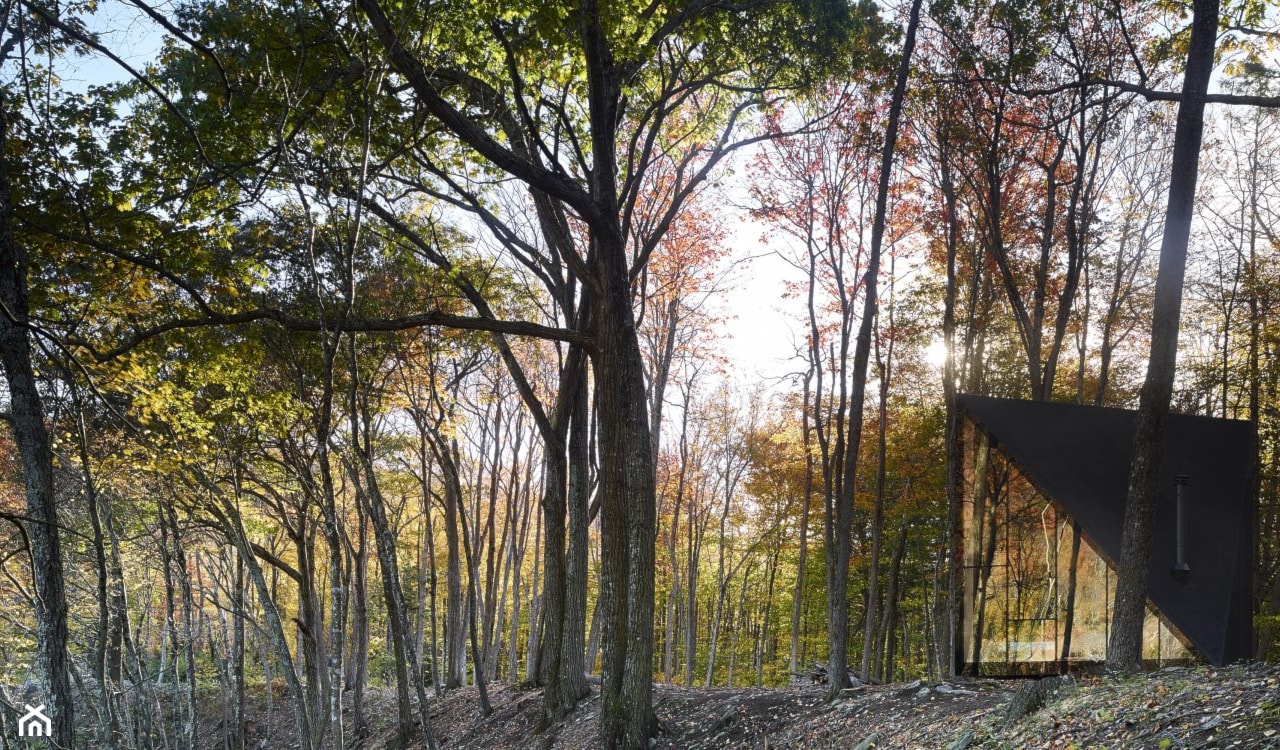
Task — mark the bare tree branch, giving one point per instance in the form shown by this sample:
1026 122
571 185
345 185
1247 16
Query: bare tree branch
365 325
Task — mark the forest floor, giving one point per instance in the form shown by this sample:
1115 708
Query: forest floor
1201 707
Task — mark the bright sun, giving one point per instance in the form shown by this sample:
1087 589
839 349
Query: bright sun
936 354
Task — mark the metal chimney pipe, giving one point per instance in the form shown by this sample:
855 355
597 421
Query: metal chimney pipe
1179 483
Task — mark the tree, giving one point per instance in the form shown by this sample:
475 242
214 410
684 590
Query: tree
26 417
614 63
1125 649
839 633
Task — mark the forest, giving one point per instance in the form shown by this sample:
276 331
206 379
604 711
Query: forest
360 352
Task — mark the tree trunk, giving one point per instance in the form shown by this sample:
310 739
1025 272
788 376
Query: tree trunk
593 637
807 498
310 643
673 598
420 592
106 658
627 520
233 527
1069 616
360 625
367 491
535 608
627 509
722 588
767 626
870 635
1125 649
26 416
520 538
188 729
397 618
945 608
335 647
490 600
739 616
838 636
554 584
430 554
577 571
693 557
473 594
891 602
626 461
455 633
976 548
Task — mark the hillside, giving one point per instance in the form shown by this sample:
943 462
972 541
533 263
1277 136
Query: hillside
1237 707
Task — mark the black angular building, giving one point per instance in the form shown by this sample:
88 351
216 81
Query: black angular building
1042 489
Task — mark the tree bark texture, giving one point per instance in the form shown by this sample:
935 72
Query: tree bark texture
32 438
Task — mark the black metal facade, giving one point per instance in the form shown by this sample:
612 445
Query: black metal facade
1078 457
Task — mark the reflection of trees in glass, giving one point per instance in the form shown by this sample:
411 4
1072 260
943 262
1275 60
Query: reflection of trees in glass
1026 603
979 540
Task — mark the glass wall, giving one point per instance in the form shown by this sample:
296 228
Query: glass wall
1029 605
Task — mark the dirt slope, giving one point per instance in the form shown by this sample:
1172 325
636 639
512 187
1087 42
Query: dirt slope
1238 707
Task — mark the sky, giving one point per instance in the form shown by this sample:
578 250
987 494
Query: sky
125 31
762 330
